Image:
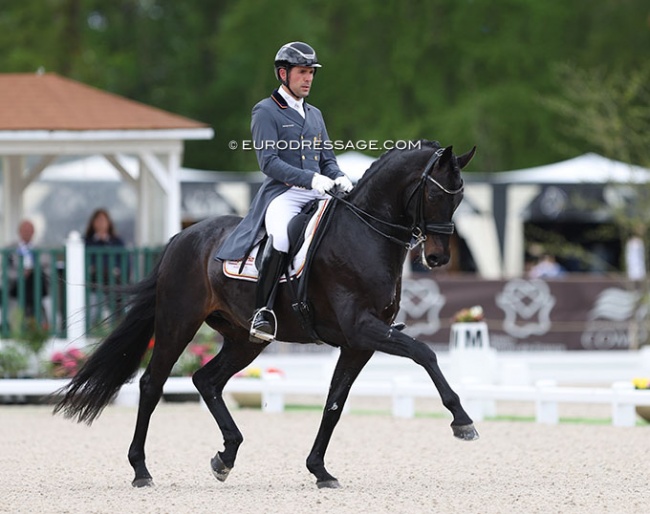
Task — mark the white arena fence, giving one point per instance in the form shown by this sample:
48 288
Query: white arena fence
545 379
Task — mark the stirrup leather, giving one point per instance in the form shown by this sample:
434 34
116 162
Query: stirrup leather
263 335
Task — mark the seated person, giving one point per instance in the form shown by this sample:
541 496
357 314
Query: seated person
100 232
23 252
546 267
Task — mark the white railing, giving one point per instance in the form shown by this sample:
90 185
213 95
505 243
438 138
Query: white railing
75 288
481 377
273 389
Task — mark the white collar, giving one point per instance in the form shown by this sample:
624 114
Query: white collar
292 102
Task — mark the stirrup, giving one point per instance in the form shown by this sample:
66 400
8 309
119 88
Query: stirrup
263 336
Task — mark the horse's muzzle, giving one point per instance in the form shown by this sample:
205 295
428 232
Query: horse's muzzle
435 251
434 260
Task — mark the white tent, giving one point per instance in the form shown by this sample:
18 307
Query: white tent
354 164
588 168
523 186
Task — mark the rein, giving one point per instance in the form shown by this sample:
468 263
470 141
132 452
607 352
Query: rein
418 231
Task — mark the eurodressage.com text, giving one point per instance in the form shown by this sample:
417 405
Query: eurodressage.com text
318 145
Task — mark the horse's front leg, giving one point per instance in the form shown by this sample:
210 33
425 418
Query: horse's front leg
348 367
210 380
375 335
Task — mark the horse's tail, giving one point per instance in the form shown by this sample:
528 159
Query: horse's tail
117 358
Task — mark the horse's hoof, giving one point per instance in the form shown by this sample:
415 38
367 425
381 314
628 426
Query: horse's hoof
465 432
219 469
142 482
329 484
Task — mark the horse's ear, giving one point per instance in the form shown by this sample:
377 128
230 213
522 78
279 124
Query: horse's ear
446 156
463 160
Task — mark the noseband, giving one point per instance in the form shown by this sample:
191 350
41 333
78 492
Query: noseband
420 228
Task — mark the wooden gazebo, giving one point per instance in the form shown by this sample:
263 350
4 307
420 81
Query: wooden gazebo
46 116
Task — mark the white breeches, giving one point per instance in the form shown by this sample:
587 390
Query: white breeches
280 212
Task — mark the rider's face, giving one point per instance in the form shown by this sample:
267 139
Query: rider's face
300 78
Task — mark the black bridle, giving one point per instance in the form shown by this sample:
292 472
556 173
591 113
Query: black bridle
417 233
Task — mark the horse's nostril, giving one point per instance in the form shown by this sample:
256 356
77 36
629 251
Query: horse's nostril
435 260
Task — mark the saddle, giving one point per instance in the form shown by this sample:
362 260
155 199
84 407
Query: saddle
305 233
302 230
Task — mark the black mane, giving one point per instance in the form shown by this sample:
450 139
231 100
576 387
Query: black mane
388 154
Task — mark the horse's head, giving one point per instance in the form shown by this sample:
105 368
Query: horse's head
409 197
435 199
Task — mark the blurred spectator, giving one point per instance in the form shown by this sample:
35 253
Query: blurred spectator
25 253
100 232
635 256
546 267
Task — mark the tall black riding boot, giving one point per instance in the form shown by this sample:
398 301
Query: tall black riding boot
274 262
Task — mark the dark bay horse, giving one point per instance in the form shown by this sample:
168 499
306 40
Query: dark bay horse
407 196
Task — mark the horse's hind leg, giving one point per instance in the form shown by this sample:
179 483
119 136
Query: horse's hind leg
235 355
168 348
348 367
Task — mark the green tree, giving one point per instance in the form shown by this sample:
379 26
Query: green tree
609 112
462 72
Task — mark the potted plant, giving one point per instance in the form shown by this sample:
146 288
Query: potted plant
66 364
253 399
469 330
14 360
470 315
32 336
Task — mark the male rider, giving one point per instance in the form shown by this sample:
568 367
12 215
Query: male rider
289 137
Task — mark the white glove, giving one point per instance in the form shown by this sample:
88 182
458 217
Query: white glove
344 184
322 184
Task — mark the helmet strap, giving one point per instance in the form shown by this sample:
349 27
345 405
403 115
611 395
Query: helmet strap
286 84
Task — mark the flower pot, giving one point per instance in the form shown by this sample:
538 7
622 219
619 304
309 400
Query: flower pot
469 336
644 412
248 400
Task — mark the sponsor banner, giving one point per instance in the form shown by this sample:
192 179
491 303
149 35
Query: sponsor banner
530 314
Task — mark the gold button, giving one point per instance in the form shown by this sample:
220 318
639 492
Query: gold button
303 157
315 157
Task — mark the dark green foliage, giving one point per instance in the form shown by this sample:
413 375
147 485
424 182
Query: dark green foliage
461 71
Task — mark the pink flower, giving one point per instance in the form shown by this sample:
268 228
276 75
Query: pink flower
75 353
57 357
66 364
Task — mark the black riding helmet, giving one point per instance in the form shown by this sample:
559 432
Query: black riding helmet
295 54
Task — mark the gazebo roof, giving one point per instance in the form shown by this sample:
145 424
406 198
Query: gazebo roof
44 117
50 102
